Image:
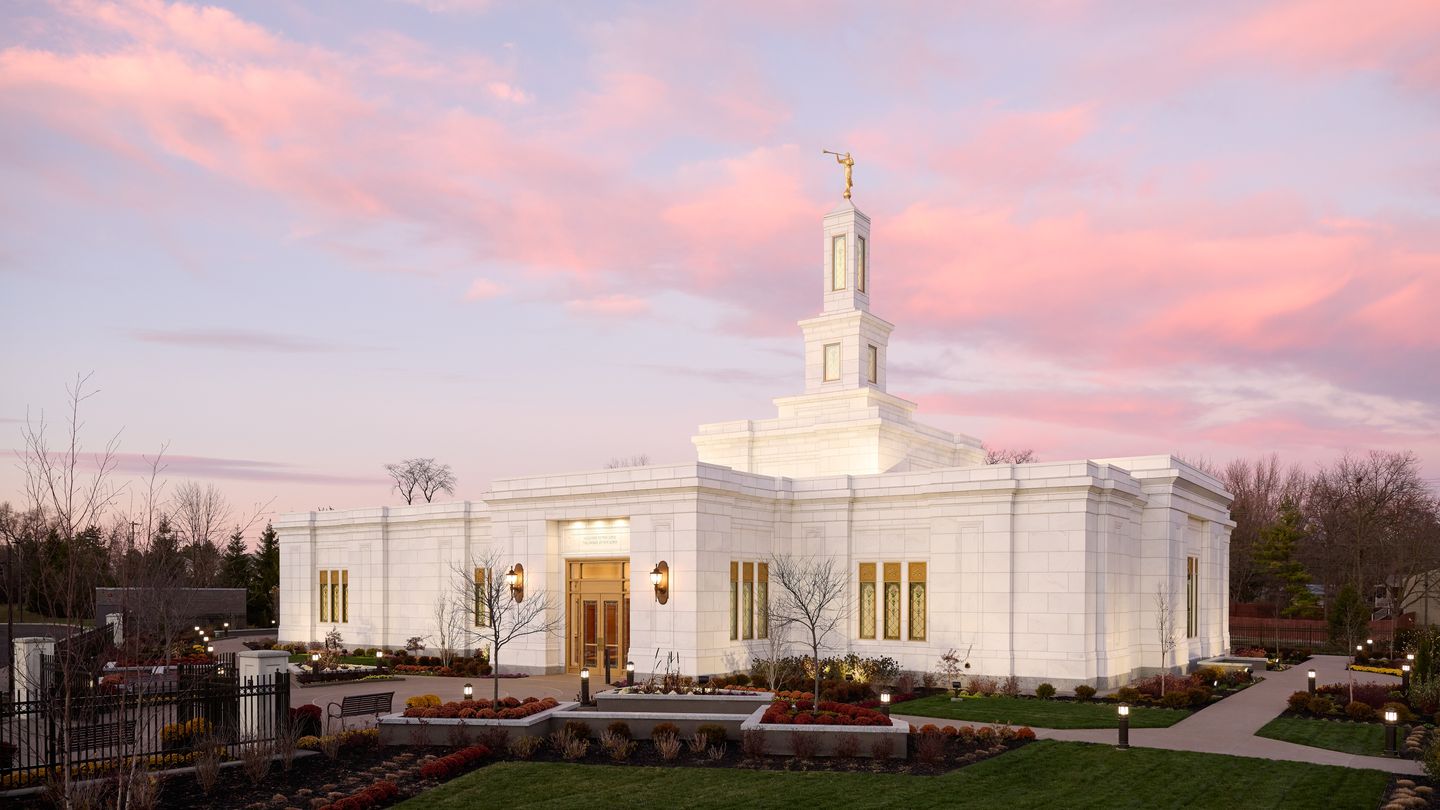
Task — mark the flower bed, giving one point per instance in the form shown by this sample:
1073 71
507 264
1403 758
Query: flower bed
452 764
376 795
828 713
508 708
1377 670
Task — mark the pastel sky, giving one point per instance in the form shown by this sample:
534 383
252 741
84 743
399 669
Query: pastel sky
297 241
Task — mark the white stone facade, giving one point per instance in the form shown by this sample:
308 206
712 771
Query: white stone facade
1046 570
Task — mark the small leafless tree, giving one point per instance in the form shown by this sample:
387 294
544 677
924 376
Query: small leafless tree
200 514
995 455
810 594
1164 628
777 649
491 616
421 476
450 615
637 460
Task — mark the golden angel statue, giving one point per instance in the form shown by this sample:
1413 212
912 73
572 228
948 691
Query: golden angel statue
849 164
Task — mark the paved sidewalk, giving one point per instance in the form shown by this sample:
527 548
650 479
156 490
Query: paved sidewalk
1229 726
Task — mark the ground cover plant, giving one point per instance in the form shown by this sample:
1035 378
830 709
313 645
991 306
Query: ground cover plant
1367 739
1040 713
1076 775
507 708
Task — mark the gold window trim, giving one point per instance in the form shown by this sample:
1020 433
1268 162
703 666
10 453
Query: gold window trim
747 603
837 263
861 265
873 365
762 600
734 600
867 600
828 372
893 597
324 596
919 602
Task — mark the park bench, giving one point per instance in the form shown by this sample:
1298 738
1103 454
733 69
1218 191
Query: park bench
374 704
100 735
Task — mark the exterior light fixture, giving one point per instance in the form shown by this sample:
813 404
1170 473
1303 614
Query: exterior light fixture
1390 717
629 673
1310 679
210 648
197 629
469 691
1369 642
515 579
1405 678
885 702
660 578
585 687
1124 710
315 662
220 670
205 639
1409 656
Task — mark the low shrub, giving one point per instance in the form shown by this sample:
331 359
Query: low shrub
619 728
1320 705
1299 701
1176 700
1127 694
714 733
1199 696
982 685
1355 710
1085 691
800 712
422 702
752 743
1010 687
806 746
929 747
1371 693
1402 712
525 747
578 729
665 730
374 796
1045 691
740 680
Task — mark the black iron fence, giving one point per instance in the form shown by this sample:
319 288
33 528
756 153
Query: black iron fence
162 718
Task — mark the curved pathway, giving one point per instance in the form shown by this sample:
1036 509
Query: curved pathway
1229 727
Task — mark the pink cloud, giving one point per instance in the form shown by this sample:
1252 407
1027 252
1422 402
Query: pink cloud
483 289
611 306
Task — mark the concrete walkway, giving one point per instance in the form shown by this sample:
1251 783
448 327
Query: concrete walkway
1229 726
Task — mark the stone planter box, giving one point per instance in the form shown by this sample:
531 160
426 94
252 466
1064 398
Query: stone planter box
683 704
397 729
1256 665
779 739
642 724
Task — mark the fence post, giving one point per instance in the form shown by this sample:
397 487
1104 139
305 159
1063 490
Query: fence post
29 666
116 623
258 668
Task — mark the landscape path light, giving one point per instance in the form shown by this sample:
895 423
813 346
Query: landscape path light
1390 717
885 702
585 687
315 662
1404 677
629 673
210 648
1124 710
1310 678
469 691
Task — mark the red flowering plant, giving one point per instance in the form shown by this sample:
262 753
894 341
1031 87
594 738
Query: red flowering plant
452 764
828 713
373 796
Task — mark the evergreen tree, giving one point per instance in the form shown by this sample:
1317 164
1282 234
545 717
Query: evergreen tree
264 577
235 563
1349 618
1275 554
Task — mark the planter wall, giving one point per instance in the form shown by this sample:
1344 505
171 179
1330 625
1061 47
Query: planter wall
642 724
397 729
683 704
779 737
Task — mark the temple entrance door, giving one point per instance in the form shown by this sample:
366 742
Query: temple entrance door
598 616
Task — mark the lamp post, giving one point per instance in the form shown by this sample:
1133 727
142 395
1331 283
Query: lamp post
469 691
885 702
315 662
585 687
1310 679
1390 717
227 628
1124 710
210 649
629 673
1405 679
607 668
379 659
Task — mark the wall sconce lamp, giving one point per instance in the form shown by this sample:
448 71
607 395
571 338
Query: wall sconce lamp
660 578
515 578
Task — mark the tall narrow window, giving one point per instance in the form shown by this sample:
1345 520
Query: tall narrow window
747 602
482 600
832 362
917 601
334 596
324 596
892 600
837 262
867 600
345 596
872 365
734 600
762 597
1192 597
860 264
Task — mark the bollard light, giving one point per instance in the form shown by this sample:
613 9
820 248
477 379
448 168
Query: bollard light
1310 680
469 691
210 648
1409 656
1390 717
197 629
1369 642
585 687
629 673
1124 710
1405 678
885 702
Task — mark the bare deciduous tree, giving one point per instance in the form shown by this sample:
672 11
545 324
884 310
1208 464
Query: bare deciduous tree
995 455
637 460
491 616
200 514
1259 486
1164 629
449 626
422 476
809 594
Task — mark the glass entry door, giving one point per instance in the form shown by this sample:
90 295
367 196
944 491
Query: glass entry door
598 625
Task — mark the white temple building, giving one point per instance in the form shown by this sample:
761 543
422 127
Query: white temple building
1048 570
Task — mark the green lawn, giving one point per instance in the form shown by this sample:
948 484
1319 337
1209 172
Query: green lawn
1037 713
1045 774
1352 738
